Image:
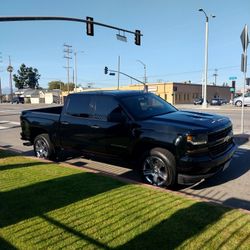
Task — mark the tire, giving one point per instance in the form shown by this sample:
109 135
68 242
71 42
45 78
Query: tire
43 147
238 103
158 167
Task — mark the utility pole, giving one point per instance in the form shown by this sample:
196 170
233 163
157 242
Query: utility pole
75 55
215 76
68 51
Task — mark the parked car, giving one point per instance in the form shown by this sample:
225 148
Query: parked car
216 101
238 100
223 101
17 100
198 101
168 146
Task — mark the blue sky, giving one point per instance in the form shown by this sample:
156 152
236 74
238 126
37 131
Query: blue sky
172 43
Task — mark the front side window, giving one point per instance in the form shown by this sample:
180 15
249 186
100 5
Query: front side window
146 105
104 106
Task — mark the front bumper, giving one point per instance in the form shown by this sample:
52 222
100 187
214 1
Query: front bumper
194 169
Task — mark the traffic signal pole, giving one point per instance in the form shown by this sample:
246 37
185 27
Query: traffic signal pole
89 21
119 72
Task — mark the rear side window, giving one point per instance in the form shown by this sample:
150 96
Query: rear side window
91 106
78 105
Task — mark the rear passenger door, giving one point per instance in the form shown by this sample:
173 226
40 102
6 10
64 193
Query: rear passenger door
75 131
85 125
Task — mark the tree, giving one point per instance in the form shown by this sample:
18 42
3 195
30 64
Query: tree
26 77
61 85
71 86
56 85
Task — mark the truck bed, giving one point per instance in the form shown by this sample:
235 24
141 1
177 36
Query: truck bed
50 110
43 120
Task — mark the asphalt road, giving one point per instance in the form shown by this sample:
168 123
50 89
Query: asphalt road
231 187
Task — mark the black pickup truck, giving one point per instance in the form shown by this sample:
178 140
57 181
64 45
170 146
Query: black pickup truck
168 145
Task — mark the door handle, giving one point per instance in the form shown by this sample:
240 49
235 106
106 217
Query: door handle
65 123
95 126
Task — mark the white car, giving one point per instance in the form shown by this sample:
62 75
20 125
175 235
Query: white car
238 100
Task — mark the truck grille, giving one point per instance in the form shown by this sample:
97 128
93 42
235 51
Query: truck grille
220 148
218 141
218 135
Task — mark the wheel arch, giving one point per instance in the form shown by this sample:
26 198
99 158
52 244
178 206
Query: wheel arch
143 146
37 131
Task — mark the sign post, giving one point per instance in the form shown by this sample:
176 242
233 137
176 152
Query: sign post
244 41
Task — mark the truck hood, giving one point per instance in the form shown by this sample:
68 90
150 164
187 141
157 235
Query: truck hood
193 120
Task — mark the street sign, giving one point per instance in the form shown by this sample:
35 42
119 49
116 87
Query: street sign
244 38
231 89
232 78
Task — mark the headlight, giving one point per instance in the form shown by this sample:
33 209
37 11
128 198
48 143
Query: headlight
197 139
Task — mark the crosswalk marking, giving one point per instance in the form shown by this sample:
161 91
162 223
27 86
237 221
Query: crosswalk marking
8 124
15 123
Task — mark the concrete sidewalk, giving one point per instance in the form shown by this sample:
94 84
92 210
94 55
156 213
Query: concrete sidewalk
242 139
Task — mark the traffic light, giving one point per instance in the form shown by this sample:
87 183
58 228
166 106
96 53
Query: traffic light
90 26
248 81
233 84
137 37
106 70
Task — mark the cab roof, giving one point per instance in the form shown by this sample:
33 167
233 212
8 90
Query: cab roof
118 93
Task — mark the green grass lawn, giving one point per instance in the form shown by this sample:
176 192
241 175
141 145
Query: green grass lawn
48 206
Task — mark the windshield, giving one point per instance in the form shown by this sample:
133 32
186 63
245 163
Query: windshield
146 105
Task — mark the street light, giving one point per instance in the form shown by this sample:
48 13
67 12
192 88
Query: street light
204 105
144 66
10 70
75 54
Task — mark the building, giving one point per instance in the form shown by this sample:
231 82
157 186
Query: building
179 93
36 96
